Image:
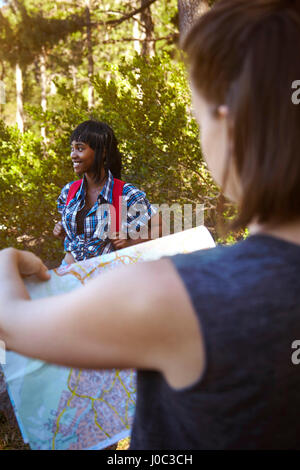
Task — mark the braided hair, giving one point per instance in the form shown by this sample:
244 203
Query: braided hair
101 138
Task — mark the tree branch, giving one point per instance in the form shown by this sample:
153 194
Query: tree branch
165 38
129 15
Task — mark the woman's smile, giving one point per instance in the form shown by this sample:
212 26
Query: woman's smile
82 156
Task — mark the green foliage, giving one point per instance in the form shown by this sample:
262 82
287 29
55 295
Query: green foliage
148 105
25 31
27 193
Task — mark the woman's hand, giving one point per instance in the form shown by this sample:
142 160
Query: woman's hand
119 241
15 265
59 231
27 263
69 258
30 265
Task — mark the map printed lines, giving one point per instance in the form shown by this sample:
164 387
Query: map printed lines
74 393
96 418
68 403
122 383
80 273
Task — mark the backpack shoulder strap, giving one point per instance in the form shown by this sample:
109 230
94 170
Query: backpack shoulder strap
116 195
73 190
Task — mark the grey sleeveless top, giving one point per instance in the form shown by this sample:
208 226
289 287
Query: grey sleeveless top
247 300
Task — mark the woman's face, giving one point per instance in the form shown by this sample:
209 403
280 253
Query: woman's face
215 143
82 157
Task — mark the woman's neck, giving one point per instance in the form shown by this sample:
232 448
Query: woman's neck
92 184
289 232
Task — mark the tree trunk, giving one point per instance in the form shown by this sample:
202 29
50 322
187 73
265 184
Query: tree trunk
19 91
73 71
136 34
53 89
2 96
43 89
90 54
148 46
189 11
2 90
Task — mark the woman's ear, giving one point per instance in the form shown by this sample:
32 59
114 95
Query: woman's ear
222 111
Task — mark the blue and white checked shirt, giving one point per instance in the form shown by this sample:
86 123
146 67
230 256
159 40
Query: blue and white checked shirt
136 212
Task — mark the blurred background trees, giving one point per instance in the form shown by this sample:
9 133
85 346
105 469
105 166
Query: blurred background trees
63 62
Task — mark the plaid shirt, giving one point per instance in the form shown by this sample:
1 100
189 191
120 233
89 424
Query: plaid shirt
136 212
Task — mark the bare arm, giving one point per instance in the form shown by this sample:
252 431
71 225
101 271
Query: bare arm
137 316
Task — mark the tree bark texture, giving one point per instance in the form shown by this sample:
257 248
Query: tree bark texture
189 11
136 34
43 89
148 46
90 54
19 92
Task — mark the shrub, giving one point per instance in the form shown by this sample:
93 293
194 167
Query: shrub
147 103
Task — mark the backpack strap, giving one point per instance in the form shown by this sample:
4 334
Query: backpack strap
116 195
73 190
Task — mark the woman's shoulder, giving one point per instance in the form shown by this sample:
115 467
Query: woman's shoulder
256 261
130 188
64 192
132 194
220 253
67 186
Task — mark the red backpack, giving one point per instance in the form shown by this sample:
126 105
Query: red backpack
116 194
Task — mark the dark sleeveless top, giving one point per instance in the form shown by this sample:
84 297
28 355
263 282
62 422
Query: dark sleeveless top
247 300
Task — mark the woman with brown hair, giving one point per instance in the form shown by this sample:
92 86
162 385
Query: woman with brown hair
210 332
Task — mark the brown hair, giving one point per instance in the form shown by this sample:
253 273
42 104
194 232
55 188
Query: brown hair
246 54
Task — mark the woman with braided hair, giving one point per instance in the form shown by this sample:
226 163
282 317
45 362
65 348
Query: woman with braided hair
86 205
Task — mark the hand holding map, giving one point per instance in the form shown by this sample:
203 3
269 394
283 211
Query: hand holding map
65 408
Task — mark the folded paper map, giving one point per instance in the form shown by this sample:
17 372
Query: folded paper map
64 408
